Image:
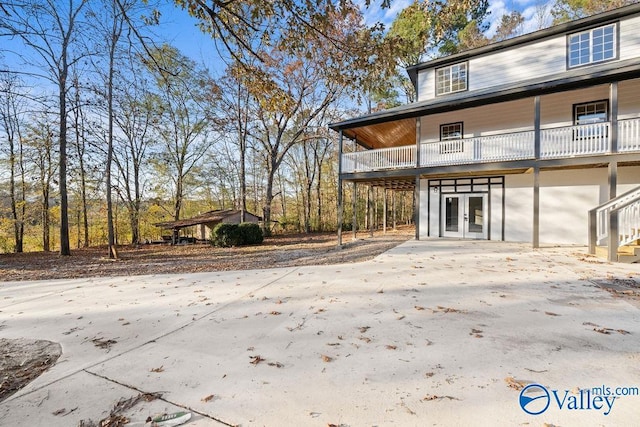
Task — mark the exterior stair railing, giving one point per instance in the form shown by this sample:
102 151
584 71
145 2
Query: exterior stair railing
616 222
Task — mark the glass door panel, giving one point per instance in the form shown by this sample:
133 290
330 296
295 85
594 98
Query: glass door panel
465 216
452 213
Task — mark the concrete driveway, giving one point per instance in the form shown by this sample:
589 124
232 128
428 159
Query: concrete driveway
435 332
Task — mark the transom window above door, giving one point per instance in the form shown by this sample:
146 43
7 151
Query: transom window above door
591 112
451 79
591 46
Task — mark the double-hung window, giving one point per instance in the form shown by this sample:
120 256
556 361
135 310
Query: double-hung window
451 79
592 46
451 137
590 119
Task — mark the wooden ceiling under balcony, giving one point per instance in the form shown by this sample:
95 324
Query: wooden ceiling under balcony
384 135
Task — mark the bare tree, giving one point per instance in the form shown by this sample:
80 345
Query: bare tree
40 150
49 29
11 111
185 98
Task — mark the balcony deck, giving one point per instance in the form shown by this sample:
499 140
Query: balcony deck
555 143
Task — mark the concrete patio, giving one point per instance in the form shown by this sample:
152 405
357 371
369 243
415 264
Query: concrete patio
435 332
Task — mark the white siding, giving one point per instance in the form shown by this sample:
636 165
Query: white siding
629 99
565 199
557 109
537 59
425 213
491 119
518 208
630 38
426 84
544 58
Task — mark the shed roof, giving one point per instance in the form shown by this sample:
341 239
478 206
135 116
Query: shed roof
214 216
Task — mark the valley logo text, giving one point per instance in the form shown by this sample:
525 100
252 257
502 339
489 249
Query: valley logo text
536 399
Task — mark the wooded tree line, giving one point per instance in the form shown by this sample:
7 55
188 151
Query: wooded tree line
105 129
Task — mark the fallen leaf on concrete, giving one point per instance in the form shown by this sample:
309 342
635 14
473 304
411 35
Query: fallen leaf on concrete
59 411
275 313
364 329
622 331
102 343
391 347
605 331
430 397
514 384
419 308
448 309
208 398
549 313
256 359
429 374
326 358
365 339
158 370
276 364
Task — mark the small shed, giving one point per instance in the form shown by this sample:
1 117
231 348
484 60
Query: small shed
203 224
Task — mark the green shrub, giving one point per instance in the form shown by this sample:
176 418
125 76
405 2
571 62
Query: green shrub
250 233
227 235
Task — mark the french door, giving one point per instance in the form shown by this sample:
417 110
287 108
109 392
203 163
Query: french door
465 216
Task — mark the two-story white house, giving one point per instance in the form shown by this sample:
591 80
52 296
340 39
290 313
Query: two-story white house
533 139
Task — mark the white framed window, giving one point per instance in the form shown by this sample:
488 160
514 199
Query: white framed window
592 46
451 79
451 136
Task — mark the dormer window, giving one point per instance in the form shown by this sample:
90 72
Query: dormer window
592 46
451 79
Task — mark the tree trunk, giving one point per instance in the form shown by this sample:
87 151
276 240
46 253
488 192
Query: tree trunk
268 199
65 246
45 222
80 147
110 229
18 220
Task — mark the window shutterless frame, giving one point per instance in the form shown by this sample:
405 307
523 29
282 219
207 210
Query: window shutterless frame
452 78
593 46
586 118
451 135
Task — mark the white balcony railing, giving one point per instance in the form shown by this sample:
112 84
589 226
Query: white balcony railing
505 147
385 158
573 141
561 142
629 135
